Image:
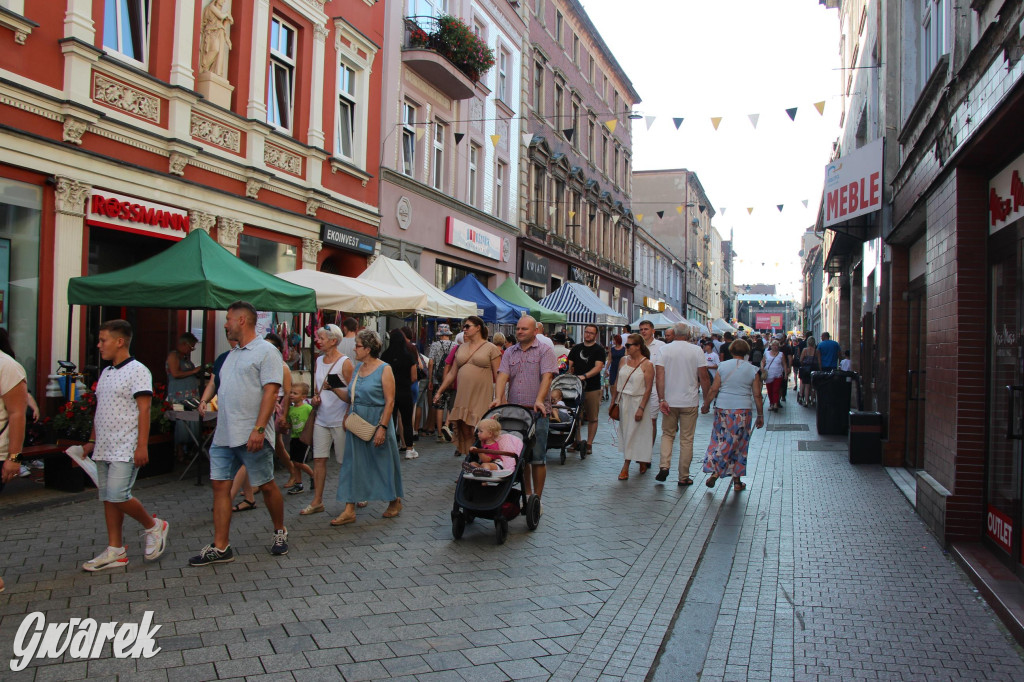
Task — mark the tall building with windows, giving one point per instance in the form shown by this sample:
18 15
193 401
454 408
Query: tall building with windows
575 179
450 138
129 123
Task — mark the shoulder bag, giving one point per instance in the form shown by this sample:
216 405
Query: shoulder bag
306 437
353 423
764 370
613 411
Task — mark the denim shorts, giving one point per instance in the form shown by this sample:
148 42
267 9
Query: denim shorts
114 480
259 465
540 447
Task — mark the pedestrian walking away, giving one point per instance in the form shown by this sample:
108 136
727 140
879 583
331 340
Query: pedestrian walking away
635 390
13 402
828 352
736 394
526 372
774 370
586 360
681 369
249 381
810 362
119 444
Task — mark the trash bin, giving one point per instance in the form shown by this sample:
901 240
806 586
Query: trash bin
865 437
832 388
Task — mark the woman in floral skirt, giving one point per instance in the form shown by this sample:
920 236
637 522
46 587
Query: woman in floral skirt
737 388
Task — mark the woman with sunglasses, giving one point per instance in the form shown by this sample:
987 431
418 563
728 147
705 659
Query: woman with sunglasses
475 371
634 383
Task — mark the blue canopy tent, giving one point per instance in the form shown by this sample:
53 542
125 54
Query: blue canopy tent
493 308
581 306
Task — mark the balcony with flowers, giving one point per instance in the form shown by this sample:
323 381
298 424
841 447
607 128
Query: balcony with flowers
446 52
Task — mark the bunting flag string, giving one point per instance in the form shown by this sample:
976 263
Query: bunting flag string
495 139
568 132
677 121
458 137
611 125
716 121
791 113
753 119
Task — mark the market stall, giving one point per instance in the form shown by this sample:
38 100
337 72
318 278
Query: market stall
582 306
511 292
492 308
400 274
352 295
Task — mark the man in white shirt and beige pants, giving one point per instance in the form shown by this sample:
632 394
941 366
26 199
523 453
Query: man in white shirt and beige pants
681 369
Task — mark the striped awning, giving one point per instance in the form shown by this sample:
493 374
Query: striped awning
581 305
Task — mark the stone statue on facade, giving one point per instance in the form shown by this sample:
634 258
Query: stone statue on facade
215 42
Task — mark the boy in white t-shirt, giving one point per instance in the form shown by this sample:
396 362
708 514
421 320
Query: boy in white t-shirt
120 446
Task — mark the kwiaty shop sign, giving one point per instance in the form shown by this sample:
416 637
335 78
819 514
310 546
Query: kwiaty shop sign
853 184
1006 196
129 214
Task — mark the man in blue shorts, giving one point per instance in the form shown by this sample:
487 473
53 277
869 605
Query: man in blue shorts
828 350
249 381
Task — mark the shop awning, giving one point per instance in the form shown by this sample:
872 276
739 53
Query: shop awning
351 295
659 320
492 308
197 273
720 326
581 305
511 292
673 315
399 273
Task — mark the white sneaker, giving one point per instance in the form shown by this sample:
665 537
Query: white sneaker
24 471
411 454
109 558
156 539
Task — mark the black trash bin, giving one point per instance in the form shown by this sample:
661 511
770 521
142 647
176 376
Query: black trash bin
832 388
865 438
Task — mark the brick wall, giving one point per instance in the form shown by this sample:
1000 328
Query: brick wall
893 335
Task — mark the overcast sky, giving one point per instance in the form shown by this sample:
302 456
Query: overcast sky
698 59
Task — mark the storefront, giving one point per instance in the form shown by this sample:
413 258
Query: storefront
534 274
345 251
21 207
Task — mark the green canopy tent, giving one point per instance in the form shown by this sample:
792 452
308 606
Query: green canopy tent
511 292
197 273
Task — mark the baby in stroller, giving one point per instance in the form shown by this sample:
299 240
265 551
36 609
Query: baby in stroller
497 452
559 410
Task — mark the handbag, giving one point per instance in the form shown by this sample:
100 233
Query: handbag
613 411
306 437
353 423
764 370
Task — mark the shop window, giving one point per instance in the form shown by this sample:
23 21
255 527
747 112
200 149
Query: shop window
20 211
447 274
266 255
126 28
408 139
346 110
281 75
533 291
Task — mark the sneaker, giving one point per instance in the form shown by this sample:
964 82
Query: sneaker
109 558
24 471
411 454
296 489
446 433
156 539
211 555
280 545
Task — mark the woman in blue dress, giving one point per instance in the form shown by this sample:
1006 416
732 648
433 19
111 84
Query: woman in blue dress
371 470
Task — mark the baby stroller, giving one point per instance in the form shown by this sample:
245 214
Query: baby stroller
499 498
562 434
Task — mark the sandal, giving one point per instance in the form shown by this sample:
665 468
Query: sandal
251 504
393 510
686 480
644 466
712 479
310 509
624 474
738 485
343 519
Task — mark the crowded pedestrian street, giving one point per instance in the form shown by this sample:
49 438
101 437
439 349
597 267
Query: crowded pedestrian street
819 570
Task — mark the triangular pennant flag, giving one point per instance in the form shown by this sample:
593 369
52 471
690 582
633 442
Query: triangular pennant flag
527 138
820 106
779 206
661 214
702 208
592 216
792 113
568 132
722 211
804 202
458 137
572 214
715 121
678 122
420 132
750 210
639 218
679 210
552 209
753 119
495 139
649 120
615 218
611 125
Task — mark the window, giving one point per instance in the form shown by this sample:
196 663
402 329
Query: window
474 164
591 139
538 9
538 88
558 28
615 168
575 49
559 96
576 124
559 226
933 35
426 8
346 110
268 256
408 139
503 75
604 154
499 190
540 209
438 169
126 28
281 75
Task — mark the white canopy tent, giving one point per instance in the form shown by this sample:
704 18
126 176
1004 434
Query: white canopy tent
720 326
400 274
357 296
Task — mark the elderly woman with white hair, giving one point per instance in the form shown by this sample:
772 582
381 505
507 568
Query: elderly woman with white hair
330 409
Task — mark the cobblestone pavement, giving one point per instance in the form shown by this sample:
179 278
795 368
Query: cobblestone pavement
819 570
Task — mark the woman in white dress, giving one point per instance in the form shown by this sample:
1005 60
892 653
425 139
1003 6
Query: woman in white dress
633 388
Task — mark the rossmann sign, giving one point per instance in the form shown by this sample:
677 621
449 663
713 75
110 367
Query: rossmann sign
130 214
853 184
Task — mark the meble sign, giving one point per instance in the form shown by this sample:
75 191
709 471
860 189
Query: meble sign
853 184
130 214
1006 196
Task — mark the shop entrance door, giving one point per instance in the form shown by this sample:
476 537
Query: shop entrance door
916 348
1003 522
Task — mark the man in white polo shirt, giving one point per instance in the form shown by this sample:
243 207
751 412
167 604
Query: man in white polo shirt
680 369
654 346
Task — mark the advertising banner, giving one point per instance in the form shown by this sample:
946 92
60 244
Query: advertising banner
465 236
853 184
130 214
1006 196
768 321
